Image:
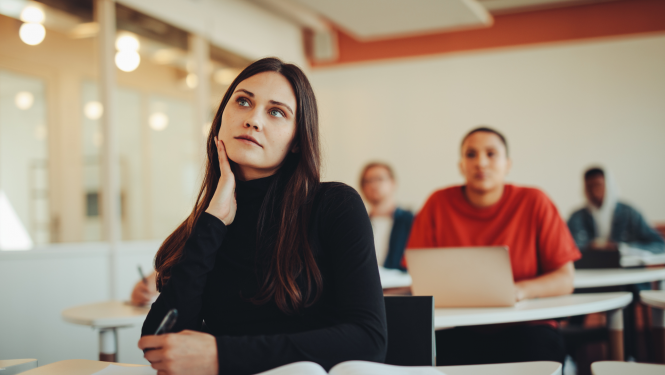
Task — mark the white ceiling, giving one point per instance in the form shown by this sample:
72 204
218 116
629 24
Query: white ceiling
513 6
374 19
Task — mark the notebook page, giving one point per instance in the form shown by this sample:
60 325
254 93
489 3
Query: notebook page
298 368
372 368
126 370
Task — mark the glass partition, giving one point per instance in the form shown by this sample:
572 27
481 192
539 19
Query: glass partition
24 189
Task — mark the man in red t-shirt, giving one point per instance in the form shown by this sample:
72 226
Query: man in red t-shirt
484 212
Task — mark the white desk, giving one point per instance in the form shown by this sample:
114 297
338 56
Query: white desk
522 368
87 367
16 366
583 278
391 278
545 308
107 317
656 300
624 368
72 367
617 276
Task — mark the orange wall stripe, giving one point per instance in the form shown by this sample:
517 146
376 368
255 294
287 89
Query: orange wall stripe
571 23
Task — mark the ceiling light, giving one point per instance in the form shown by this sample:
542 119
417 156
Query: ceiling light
32 14
192 80
127 42
127 61
93 110
24 100
32 33
158 121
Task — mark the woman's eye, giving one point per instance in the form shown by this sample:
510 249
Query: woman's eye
490 154
243 102
276 113
470 154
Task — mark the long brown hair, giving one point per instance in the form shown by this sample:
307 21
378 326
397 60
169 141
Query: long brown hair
288 202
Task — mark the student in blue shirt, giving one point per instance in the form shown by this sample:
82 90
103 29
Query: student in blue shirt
391 225
606 222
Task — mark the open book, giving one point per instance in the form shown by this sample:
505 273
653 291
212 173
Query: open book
352 368
633 257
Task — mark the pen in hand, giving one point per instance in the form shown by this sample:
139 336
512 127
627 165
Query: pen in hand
145 281
166 325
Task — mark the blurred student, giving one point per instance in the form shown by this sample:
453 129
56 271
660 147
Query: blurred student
486 211
143 293
605 223
391 225
280 266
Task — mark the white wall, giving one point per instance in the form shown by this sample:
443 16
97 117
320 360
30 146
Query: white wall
36 285
237 25
562 107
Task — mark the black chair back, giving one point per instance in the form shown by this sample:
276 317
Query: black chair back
410 330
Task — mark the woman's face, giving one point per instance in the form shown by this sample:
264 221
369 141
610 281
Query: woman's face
259 124
484 162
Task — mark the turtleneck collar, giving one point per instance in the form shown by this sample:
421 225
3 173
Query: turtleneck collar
254 188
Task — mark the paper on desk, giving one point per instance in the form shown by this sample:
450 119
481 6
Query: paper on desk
126 370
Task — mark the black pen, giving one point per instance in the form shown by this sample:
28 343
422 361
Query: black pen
165 326
145 281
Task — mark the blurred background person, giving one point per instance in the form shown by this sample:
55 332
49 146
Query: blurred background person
391 224
145 292
605 222
486 211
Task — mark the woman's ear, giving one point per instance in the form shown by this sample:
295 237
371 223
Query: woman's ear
295 149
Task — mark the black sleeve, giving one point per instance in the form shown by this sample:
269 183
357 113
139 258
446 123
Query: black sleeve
184 290
359 331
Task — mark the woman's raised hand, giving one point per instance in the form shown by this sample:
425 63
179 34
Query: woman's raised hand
223 204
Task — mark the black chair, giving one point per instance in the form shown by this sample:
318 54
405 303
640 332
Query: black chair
410 330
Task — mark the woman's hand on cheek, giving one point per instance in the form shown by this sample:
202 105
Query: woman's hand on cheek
223 203
187 352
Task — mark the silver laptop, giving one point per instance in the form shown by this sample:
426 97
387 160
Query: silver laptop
463 276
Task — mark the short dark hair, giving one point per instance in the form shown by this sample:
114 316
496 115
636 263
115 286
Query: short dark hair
593 172
376 164
485 129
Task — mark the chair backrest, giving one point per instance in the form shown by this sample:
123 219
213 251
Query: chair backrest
410 330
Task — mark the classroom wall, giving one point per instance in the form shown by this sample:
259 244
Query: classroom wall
563 106
37 285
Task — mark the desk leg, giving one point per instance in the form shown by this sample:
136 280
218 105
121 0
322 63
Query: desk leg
658 325
108 345
615 326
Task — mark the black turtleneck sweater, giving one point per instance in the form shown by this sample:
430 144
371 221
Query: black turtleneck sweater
217 275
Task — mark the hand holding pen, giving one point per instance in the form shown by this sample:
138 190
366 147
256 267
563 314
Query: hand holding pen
186 352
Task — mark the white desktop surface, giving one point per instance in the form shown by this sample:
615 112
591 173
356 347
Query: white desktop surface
587 278
522 368
594 278
626 368
72 367
391 278
106 314
88 367
533 309
13 362
653 298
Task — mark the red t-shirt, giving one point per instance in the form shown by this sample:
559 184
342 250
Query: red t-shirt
524 219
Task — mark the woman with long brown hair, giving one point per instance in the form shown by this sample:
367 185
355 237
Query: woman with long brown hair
279 266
